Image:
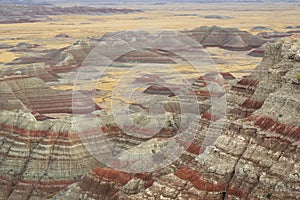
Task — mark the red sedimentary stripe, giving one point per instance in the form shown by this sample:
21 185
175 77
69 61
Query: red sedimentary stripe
248 82
37 133
146 177
208 94
268 124
246 85
190 147
118 176
48 183
252 104
195 149
243 90
209 116
194 177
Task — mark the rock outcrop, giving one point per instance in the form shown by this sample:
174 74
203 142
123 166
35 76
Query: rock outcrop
255 157
39 158
229 38
39 70
274 35
261 28
149 79
49 64
20 92
260 51
146 56
148 47
162 89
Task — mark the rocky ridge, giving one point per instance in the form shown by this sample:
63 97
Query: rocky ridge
39 158
30 93
255 157
48 63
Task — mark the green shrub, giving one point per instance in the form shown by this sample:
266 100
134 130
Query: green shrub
298 77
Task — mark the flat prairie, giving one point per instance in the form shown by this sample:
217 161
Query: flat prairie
244 16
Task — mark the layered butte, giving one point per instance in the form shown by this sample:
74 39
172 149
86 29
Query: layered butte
22 92
255 157
39 158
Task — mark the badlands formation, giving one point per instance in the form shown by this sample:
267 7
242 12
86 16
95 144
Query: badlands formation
255 156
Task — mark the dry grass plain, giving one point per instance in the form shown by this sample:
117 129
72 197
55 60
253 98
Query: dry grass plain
170 16
245 16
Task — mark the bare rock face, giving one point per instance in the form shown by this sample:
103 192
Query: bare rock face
269 35
160 90
228 38
200 85
40 155
255 157
235 42
260 51
40 70
60 60
23 92
62 35
51 65
103 183
145 56
149 79
148 47
39 158
261 28
109 182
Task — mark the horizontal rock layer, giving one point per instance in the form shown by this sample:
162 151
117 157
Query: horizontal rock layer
23 92
39 158
255 157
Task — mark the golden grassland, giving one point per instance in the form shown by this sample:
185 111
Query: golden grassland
232 61
62 87
245 16
6 56
172 16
